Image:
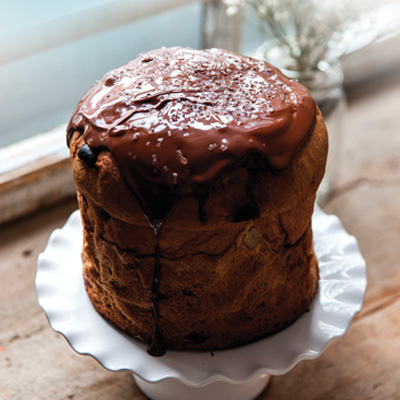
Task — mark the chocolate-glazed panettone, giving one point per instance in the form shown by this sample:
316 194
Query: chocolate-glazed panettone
196 173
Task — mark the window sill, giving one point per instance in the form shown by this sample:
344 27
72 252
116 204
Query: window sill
34 173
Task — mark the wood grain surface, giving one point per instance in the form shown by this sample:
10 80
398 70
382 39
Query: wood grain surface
37 363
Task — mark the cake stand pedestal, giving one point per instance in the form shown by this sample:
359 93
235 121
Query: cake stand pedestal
239 373
217 390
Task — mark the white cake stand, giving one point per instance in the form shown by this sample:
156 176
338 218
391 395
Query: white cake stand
240 373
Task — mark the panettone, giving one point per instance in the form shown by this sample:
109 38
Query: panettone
196 173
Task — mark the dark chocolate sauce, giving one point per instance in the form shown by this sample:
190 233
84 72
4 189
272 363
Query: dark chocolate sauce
174 118
156 348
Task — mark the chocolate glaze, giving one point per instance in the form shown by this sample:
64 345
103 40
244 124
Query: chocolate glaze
174 118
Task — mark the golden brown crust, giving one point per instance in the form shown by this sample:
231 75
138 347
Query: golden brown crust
234 279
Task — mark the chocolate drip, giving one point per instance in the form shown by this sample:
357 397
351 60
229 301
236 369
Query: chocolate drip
202 211
156 348
249 209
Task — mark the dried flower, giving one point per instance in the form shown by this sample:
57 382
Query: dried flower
310 30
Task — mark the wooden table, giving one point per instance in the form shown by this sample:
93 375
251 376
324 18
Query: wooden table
36 363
